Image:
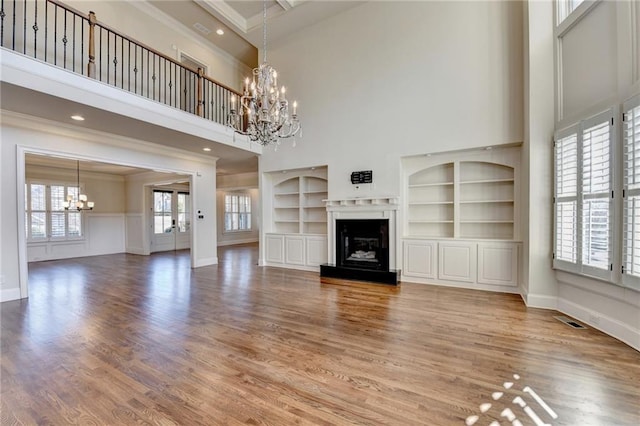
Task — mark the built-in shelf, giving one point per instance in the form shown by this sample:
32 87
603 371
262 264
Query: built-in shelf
471 182
425 185
298 205
461 199
486 201
430 203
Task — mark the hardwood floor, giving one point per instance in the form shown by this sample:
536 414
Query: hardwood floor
125 339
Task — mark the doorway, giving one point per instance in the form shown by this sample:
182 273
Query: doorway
171 221
189 83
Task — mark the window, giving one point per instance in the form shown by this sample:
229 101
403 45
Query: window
45 216
162 218
583 197
631 193
184 222
565 7
237 212
567 198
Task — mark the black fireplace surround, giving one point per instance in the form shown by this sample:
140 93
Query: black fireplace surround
362 251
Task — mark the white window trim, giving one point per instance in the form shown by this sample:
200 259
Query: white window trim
578 267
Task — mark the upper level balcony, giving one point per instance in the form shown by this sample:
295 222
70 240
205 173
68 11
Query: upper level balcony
57 61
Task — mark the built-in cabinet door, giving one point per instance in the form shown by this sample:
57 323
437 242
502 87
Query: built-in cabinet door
294 250
316 251
498 263
419 259
274 246
457 261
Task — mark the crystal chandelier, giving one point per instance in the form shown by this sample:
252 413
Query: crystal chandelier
82 202
264 104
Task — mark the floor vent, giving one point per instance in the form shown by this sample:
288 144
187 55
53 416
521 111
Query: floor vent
570 322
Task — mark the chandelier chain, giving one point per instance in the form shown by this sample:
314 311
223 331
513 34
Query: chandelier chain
264 30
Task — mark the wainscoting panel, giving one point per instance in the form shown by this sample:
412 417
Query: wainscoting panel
104 234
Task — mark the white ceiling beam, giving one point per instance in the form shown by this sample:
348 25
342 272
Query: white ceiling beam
226 13
286 4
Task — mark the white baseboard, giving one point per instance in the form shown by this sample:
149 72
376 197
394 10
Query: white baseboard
608 325
541 301
461 284
206 261
8 294
296 267
137 250
234 242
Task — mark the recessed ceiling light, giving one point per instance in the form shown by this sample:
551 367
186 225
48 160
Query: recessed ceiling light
206 149
77 117
220 31
489 148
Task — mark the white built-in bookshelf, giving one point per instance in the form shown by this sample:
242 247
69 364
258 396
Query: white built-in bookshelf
462 198
298 206
461 218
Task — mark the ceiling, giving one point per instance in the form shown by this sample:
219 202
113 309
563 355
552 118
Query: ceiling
241 20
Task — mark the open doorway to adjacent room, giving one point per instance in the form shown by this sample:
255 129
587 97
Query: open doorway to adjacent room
112 220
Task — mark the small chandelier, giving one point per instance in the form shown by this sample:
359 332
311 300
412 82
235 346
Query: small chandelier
264 104
81 203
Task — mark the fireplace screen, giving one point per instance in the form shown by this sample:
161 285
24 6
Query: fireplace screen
363 243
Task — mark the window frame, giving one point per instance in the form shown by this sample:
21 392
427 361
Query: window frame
49 212
578 266
247 214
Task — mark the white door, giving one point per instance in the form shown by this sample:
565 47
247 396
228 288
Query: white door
171 220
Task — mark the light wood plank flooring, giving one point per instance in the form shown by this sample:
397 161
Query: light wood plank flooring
125 339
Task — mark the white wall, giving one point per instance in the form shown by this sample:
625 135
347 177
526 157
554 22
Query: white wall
245 183
598 63
390 79
21 134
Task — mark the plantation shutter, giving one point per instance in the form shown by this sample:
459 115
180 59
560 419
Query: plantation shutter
631 203
596 197
566 198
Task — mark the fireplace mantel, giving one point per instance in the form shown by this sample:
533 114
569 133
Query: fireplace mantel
362 208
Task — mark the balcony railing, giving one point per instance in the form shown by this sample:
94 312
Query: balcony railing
62 36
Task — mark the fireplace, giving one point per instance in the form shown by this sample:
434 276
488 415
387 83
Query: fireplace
362 243
361 240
